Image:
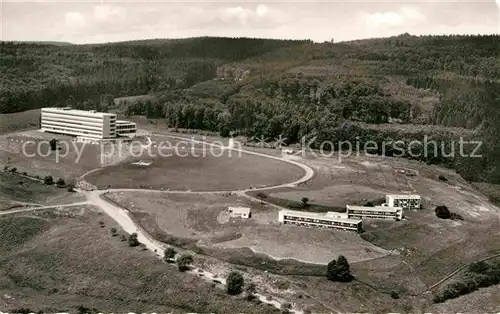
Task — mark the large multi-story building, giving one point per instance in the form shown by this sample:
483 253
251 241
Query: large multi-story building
322 220
405 201
376 212
87 124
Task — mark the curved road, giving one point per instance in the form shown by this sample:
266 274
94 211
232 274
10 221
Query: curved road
122 217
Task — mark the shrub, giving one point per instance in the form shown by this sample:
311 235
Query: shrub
132 240
13 169
60 183
25 174
71 187
114 233
123 238
442 212
394 295
184 261
235 283
169 253
478 268
6 168
442 178
48 180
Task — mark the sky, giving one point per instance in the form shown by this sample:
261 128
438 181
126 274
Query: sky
83 22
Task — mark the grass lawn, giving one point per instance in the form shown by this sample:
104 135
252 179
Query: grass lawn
65 259
197 173
11 122
15 188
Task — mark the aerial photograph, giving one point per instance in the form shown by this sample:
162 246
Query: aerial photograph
247 157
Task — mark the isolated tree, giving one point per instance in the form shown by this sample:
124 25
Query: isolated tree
48 180
344 270
71 187
13 169
442 212
339 270
53 144
261 196
6 168
114 232
123 238
235 283
169 253
305 202
132 240
184 261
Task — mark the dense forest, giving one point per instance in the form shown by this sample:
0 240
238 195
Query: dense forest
403 87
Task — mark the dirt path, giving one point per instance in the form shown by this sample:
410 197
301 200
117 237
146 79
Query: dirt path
122 217
30 209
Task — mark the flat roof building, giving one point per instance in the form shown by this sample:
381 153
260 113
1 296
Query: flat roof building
125 128
321 220
375 212
405 201
243 212
81 123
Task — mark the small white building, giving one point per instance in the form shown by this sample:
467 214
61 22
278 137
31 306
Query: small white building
405 201
242 212
374 212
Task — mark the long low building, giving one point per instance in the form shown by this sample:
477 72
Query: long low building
85 124
322 220
376 212
405 201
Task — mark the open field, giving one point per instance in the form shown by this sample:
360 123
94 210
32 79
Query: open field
36 158
231 171
201 219
65 259
16 190
30 151
10 122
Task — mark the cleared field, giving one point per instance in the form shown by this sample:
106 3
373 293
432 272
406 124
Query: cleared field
230 171
11 122
30 152
15 190
200 219
65 259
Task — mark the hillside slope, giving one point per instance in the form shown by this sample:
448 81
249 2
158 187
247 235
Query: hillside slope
257 87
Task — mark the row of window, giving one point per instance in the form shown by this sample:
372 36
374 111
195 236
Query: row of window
369 216
71 124
66 130
321 221
364 212
74 115
355 227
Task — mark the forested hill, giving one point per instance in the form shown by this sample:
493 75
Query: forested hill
371 89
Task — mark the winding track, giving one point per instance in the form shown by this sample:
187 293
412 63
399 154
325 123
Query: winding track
122 217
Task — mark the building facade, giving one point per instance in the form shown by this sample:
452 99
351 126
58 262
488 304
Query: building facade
243 212
405 201
125 128
84 124
376 212
320 220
